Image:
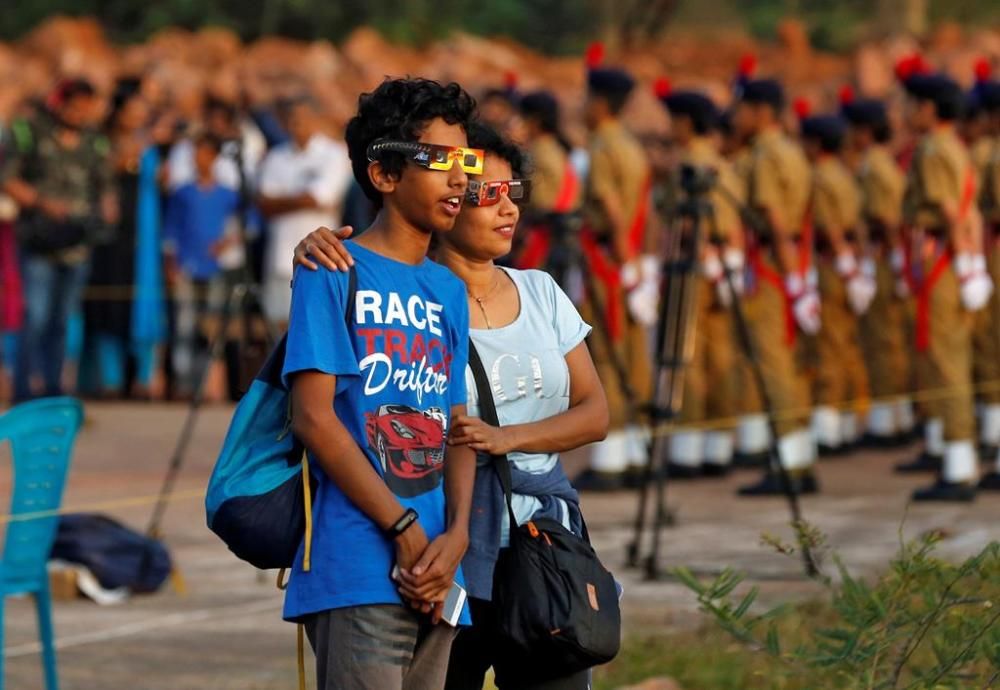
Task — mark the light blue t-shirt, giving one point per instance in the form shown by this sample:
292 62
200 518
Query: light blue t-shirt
526 363
394 394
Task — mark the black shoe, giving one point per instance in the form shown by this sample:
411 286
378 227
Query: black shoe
988 452
771 485
831 452
750 460
880 442
599 482
990 482
634 476
922 463
683 472
946 491
711 469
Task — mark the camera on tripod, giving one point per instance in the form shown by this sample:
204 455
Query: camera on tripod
698 180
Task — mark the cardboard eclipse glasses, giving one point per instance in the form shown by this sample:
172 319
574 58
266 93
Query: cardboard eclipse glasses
489 193
432 156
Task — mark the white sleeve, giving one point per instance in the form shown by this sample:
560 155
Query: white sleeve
268 178
330 186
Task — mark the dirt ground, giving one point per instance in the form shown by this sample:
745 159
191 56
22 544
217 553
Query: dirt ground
224 629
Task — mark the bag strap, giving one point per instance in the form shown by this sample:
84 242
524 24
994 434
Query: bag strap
488 413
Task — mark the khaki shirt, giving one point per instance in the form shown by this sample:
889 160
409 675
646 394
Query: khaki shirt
937 175
728 192
836 198
882 185
618 167
780 179
989 195
549 161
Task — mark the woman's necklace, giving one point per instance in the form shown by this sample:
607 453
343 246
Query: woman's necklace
481 301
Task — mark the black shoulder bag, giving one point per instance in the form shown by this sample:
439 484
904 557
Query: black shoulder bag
556 605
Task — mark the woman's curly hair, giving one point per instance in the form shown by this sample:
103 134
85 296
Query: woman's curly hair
483 136
399 110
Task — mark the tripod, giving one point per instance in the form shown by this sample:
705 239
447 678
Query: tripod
674 350
242 302
675 339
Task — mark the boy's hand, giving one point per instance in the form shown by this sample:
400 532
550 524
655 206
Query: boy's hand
325 245
429 580
219 247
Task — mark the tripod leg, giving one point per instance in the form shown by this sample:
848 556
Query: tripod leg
235 297
791 496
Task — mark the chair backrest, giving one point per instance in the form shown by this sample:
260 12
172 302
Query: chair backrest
41 435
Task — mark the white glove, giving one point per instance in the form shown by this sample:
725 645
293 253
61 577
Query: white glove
640 269
860 293
897 259
846 265
805 303
976 284
736 263
644 302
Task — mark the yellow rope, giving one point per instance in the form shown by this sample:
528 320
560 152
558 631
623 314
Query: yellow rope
102 505
301 651
307 495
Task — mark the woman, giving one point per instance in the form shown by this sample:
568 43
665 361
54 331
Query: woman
547 394
124 313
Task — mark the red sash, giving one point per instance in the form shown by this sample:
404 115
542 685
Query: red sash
769 275
605 270
539 240
922 288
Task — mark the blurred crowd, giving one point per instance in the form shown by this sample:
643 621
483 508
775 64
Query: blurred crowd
134 209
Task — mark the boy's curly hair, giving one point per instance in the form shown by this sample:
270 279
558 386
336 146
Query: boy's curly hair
399 110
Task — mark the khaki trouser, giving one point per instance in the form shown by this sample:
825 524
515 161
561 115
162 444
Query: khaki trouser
711 381
944 370
765 311
986 339
632 350
886 338
840 372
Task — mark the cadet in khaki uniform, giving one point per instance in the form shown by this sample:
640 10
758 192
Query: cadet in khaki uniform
846 285
778 192
983 138
753 432
622 271
556 192
988 365
710 381
884 326
950 279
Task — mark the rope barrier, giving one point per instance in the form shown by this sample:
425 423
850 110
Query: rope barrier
664 428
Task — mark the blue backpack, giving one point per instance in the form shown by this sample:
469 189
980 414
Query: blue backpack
259 498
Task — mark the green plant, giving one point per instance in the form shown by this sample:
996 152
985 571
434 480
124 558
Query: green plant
924 624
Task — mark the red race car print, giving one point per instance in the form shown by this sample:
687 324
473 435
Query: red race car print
410 445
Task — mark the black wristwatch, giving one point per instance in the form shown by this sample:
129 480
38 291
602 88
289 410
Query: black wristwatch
402 524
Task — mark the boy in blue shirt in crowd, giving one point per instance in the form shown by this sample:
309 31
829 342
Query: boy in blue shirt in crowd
372 401
195 239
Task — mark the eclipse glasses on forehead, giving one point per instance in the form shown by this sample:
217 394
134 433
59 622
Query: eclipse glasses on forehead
489 193
432 156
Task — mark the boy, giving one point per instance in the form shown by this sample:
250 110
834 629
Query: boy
195 238
372 400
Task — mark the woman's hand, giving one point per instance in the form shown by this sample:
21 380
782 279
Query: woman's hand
480 436
325 245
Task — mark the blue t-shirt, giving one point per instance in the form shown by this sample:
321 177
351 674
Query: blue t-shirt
399 370
195 220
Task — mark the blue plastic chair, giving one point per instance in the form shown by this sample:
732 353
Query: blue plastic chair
41 435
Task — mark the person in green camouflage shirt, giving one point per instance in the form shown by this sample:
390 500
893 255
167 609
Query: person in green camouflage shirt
56 168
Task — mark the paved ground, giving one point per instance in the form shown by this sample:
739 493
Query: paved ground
225 632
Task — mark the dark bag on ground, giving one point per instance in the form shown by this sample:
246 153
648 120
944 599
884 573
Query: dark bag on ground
117 555
556 605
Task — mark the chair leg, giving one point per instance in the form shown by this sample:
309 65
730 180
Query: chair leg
43 602
3 600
